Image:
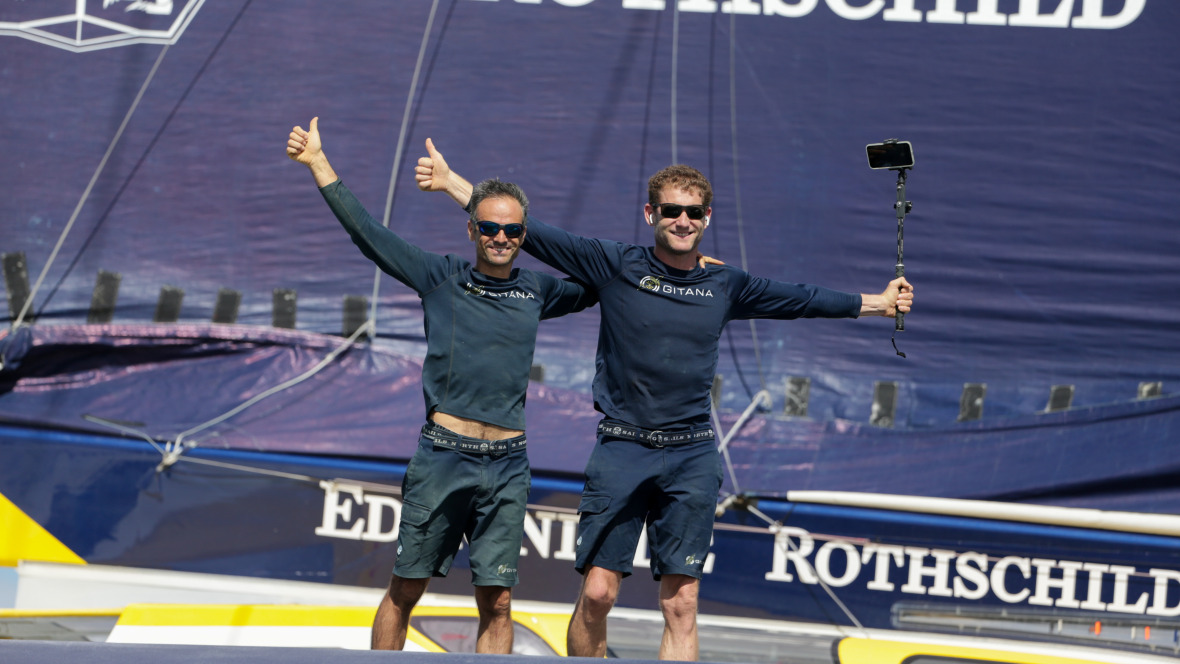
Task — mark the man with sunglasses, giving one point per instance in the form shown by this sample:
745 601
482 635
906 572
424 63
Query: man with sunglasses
470 474
656 461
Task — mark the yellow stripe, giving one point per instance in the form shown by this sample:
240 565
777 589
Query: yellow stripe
414 636
22 538
872 651
58 613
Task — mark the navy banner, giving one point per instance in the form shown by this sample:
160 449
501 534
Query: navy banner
1041 356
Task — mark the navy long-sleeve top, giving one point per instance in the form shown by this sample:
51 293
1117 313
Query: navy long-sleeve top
660 326
480 331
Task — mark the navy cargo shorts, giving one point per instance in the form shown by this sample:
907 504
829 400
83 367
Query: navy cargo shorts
456 486
673 488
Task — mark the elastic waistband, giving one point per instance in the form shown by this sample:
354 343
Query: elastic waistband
656 438
443 437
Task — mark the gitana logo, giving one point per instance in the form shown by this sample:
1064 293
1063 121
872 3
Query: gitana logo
472 289
654 285
100 24
504 569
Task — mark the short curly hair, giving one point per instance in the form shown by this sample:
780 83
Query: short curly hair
679 176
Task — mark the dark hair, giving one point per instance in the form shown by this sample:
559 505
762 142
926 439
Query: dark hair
496 188
679 176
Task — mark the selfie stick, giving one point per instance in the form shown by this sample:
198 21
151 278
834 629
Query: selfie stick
902 206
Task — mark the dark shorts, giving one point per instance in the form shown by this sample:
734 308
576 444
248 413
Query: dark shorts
673 489
449 493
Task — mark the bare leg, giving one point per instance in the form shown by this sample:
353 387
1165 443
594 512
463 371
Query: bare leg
587 632
495 620
393 613
678 602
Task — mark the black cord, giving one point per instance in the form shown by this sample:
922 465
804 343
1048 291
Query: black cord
143 157
424 87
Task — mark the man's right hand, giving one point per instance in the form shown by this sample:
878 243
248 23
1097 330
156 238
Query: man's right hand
305 148
433 174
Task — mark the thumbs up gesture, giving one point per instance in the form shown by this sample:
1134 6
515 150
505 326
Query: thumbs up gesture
432 172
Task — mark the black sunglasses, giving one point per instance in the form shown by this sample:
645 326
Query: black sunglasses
672 210
492 229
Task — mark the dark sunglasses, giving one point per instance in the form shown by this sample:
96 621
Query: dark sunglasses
492 229
672 210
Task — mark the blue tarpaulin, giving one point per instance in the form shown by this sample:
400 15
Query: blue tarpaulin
1042 241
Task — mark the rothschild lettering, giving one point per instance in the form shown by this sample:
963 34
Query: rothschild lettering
794 556
972 575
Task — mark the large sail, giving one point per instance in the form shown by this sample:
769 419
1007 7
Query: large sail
203 269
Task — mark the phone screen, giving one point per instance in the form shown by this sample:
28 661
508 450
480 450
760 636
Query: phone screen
890 155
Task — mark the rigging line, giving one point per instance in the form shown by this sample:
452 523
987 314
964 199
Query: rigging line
165 453
247 469
763 394
130 431
762 397
773 526
647 104
800 560
675 62
710 142
724 449
397 155
177 445
86 193
737 188
736 364
160 132
710 95
442 33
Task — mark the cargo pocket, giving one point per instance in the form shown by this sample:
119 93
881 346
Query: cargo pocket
411 537
414 514
594 503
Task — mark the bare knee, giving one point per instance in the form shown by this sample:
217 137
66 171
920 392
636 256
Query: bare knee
678 598
405 593
493 602
600 589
